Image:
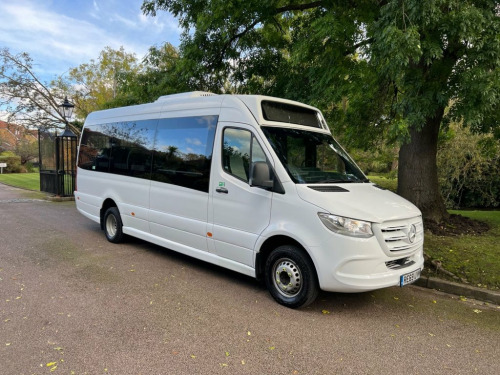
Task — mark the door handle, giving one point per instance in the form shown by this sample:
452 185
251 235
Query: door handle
222 190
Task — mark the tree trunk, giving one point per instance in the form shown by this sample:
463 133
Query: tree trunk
417 172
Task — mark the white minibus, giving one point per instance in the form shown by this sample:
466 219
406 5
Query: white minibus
251 183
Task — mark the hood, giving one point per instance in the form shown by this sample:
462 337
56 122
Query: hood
362 201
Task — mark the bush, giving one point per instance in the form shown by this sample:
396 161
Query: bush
30 168
379 160
469 169
13 162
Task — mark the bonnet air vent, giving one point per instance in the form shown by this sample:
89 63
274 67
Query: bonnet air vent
329 189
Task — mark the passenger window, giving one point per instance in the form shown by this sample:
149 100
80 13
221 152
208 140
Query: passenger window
240 149
120 148
183 151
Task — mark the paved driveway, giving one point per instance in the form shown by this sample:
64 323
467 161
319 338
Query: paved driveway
72 303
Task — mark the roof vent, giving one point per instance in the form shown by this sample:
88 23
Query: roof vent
184 95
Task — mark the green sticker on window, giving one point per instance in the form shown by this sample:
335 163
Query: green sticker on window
221 184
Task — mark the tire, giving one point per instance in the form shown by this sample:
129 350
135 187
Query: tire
113 225
291 277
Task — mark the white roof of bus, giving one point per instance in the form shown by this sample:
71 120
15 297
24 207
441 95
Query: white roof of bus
195 100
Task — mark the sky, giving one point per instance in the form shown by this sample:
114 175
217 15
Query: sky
62 34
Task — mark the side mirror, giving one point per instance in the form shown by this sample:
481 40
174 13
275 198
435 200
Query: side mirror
261 175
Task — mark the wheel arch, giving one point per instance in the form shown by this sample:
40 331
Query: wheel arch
105 205
272 243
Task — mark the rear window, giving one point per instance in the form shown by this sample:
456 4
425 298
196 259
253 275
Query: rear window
291 114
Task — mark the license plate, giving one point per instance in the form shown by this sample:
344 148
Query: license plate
409 278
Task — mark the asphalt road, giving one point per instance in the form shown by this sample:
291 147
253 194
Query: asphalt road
72 303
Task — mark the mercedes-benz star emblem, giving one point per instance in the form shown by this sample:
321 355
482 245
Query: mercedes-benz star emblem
412 233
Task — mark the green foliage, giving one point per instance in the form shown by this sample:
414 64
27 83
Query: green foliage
161 73
379 160
469 168
96 83
368 66
13 162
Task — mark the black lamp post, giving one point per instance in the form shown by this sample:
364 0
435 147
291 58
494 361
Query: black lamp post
67 112
67 108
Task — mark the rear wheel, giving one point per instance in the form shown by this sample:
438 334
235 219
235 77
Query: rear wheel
291 277
113 225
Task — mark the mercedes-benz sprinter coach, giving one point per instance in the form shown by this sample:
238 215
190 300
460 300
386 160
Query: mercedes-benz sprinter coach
252 183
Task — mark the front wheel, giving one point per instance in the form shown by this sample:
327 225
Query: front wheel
113 225
291 277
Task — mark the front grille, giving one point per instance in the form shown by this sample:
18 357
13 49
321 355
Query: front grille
401 236
399 263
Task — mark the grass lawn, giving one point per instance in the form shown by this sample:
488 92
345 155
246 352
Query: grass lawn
29 181
473 257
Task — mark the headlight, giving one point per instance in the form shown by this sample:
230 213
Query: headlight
346 226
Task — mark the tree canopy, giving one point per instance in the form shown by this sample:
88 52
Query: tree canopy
97 82
29 101
402 69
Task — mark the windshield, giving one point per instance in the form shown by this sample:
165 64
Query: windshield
312 158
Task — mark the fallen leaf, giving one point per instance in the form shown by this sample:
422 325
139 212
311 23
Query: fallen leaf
193 356
272 348
431 334
396 298
249 333
477 311
325 311
50 364
227 354
243 362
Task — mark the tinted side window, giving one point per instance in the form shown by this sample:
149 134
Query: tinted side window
121 148
183 151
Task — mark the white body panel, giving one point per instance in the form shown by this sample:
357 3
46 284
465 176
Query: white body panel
230 228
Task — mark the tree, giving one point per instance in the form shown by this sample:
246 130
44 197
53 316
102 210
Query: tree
29 101
26 150
96 83
160 74
388 67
